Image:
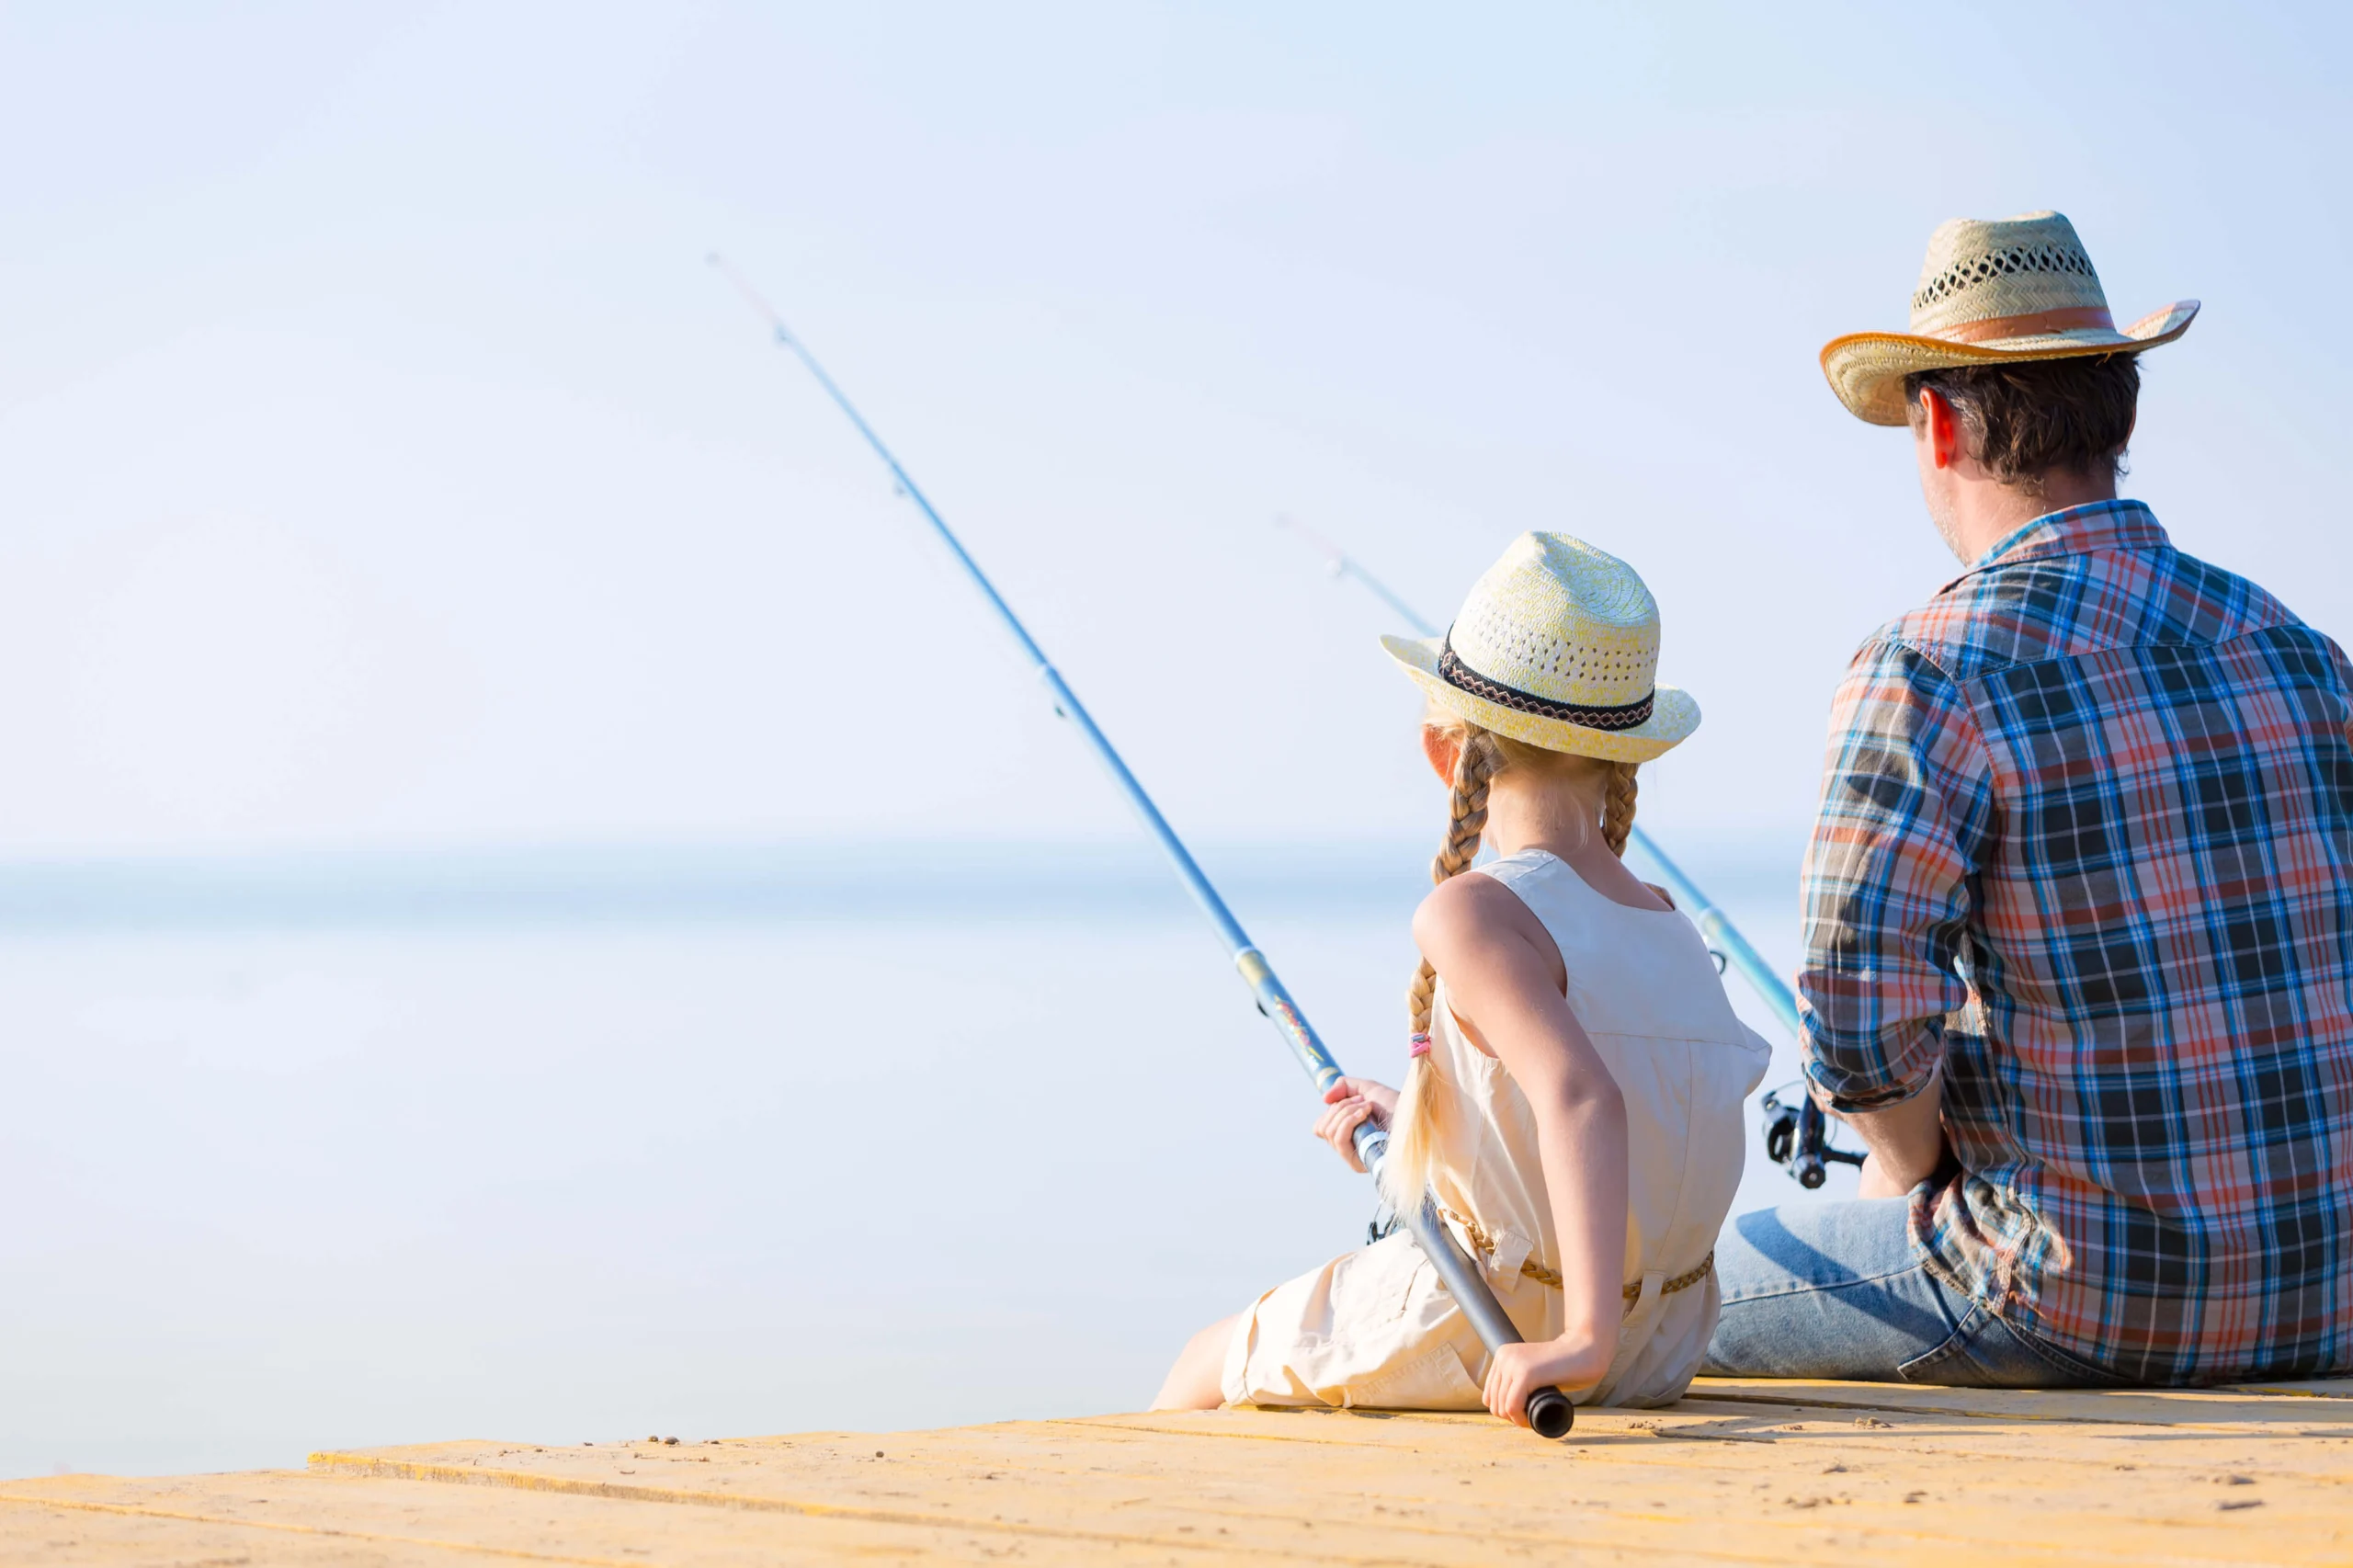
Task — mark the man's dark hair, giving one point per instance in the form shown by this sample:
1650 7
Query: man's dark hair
2043 414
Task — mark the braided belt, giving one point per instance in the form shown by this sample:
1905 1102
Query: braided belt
1552 1276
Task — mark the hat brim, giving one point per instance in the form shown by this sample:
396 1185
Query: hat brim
1867 368
1674 714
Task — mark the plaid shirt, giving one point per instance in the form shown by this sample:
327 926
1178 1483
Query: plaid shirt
2087 840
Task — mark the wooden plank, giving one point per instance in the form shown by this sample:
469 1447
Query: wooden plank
1026 1485
2158 1407
1839 1433
2322 1388
2185 1453
60 1529
292 1516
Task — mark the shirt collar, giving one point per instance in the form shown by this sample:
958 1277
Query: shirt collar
2078 530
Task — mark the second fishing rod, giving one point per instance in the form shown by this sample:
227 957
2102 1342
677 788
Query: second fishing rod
1547 1410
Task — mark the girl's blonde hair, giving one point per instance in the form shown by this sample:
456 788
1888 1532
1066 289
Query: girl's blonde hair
1481 758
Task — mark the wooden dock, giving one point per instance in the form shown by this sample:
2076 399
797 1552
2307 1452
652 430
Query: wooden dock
1742 1471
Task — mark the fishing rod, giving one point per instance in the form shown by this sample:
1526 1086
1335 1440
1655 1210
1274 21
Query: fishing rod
1797 1137
1547 1410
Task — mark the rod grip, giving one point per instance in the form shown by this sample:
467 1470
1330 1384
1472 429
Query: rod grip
1550 1413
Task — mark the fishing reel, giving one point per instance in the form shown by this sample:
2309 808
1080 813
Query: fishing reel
1797 1138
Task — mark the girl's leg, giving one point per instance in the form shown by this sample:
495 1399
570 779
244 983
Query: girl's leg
1197 1380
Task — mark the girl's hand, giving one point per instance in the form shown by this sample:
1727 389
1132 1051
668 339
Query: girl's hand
1518 1371
1353 1100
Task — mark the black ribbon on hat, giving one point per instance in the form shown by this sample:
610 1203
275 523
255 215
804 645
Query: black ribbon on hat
1462 677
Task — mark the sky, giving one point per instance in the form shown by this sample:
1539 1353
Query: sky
380 465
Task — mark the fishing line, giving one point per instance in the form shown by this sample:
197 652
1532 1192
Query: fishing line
1549 1411
1799 1133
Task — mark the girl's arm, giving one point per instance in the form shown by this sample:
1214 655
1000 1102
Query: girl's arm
1505 983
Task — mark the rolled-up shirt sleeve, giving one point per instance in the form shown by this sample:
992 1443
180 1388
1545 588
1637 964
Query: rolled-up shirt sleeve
1906 795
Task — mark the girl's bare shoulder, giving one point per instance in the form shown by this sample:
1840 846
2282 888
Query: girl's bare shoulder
1469 908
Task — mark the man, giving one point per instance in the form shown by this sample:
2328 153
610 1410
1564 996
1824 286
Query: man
2078 908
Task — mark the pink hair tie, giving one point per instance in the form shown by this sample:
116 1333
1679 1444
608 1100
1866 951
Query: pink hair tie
1419 1046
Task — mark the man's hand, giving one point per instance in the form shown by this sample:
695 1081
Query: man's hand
1518 1371
1352 1101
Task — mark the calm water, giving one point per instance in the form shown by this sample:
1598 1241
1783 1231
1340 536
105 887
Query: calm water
554 1148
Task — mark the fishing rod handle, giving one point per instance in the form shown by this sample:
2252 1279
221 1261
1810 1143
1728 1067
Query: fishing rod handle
1550 1413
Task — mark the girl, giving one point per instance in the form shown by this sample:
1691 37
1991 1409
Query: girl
1572 1097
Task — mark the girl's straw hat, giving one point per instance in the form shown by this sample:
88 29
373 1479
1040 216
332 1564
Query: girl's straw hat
2020 288
1557 646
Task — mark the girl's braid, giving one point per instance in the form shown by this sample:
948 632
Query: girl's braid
1475 767
1618 808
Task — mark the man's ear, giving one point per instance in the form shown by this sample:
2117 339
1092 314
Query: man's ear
1444 748
1939 426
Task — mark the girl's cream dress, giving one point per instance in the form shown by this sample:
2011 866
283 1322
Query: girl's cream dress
1376 1328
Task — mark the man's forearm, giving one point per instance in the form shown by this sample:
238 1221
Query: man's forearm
1907 1140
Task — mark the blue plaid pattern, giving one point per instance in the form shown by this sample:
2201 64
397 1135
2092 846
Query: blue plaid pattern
2087 840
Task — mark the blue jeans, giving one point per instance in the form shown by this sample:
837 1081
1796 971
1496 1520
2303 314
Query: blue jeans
1839 1290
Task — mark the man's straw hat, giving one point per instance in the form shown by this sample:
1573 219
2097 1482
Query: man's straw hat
2020 288
1557 646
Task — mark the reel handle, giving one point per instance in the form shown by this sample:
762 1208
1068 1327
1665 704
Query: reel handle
1806 1160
